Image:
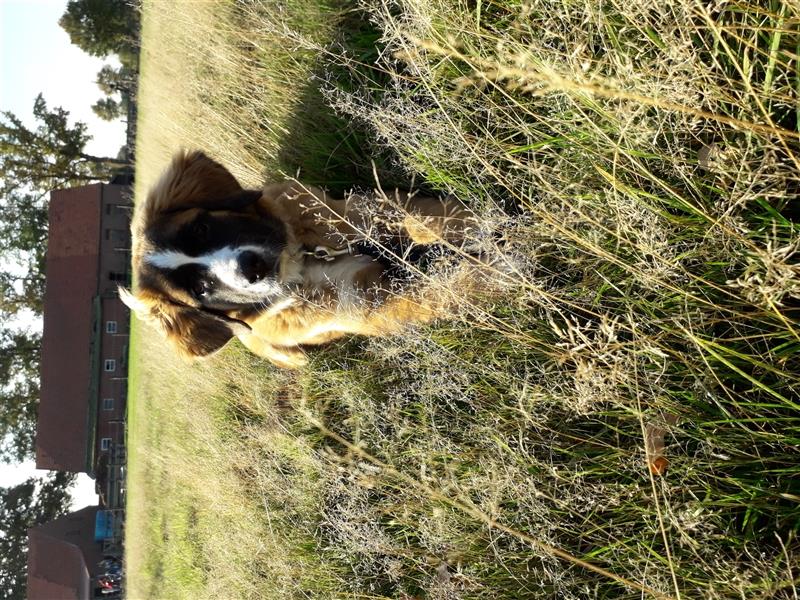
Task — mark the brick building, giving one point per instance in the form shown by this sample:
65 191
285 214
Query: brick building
81 421
60 556
85 338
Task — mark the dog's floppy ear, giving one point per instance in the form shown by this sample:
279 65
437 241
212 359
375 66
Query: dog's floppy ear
192 180
196 332
193 331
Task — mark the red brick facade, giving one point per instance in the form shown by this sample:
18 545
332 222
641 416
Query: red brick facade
84 345
62 557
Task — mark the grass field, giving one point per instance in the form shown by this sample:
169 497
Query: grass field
642 166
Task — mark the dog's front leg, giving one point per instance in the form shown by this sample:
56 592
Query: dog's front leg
285 357
428 220
422 219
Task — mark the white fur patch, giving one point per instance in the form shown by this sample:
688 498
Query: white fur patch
281 306
338 274
132 301
222 264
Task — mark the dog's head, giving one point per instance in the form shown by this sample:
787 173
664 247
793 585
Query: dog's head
203 252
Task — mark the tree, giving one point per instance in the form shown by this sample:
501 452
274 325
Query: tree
23 226
101 27
50 156
112 80
22 507
20 354
23 240
22 292
108 109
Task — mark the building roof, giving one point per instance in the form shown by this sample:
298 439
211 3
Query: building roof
59 555
66 370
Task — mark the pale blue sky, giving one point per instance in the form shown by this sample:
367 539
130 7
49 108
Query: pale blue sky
37 56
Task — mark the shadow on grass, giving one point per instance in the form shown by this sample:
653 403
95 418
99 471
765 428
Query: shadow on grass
326 149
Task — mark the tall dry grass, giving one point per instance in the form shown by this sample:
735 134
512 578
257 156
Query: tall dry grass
641 163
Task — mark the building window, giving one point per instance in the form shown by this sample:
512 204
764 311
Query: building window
105 443
116 235
116 276
111 327
110 365
108 404
117 209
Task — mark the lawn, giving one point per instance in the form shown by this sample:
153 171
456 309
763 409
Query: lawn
642 168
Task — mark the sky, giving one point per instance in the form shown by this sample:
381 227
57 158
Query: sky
37 56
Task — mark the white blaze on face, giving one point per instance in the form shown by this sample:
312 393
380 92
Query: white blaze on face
223 264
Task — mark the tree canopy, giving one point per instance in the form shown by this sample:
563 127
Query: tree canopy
112 81
23 242
50 156
108 109
20 353
101 27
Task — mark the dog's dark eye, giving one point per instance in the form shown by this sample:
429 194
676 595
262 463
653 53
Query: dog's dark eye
201 288
201 230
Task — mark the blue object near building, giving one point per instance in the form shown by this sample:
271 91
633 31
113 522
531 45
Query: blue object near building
103 525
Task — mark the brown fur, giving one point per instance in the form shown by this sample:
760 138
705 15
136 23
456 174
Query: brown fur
314 312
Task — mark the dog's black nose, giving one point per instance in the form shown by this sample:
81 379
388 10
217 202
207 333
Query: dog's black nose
253 266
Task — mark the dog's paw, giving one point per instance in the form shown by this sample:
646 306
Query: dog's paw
423 230
285 357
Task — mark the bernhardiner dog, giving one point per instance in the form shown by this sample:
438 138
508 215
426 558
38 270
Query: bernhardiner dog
278 268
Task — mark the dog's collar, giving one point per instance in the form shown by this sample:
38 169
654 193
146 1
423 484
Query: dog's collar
326 253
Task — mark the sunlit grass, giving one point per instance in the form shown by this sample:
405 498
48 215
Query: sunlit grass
642 166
